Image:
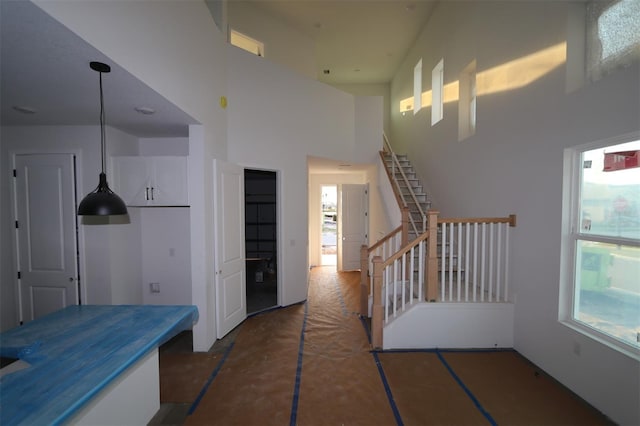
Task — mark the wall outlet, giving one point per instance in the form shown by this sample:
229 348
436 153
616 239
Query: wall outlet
154 287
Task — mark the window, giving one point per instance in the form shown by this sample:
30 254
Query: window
602 244
247 43
417 87
437 85
613 35
467 102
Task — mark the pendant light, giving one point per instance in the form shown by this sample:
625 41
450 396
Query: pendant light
102 201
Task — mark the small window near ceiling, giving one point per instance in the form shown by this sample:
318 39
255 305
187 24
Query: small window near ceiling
247 43
437 99
467 102
613 35
602 248
417 87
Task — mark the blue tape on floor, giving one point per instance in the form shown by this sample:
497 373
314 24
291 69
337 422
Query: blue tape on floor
387 389
296 389
210 380
466 389
383 377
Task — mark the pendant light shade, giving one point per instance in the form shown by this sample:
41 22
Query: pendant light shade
102 201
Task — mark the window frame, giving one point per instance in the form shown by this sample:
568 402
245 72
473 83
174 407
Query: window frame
437 93
571 235
417 87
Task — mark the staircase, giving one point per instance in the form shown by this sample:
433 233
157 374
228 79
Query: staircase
418 272
410 189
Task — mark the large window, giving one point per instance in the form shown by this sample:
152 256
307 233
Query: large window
604 242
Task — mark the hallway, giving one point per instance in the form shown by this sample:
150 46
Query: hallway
310 364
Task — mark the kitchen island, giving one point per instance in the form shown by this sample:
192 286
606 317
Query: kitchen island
90 364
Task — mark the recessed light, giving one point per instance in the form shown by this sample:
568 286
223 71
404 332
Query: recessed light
25 109
145 110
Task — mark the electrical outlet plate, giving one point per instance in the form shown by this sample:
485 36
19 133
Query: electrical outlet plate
154 287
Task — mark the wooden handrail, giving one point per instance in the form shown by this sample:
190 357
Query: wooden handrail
385 239
405 249
511 220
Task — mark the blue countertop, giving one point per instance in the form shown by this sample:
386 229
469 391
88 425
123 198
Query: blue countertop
76 352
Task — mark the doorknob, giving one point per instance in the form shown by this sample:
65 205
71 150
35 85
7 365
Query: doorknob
71 279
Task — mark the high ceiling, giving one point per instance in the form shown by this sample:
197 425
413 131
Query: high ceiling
44 67
358 41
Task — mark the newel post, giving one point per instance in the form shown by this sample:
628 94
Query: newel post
432 256
405 227
364 281
377 310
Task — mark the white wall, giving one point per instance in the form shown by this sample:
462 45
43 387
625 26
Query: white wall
453 325
276 119
109 251
380 89
282 44
513 164
166 257
176 49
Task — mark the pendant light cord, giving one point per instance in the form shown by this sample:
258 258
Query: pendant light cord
102 130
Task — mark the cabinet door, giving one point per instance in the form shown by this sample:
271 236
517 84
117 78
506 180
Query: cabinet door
169 182
130 179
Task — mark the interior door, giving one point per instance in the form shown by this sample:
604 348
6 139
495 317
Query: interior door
353 215
46 233
231 304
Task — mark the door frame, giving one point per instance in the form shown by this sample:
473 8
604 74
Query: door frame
78 190
340 247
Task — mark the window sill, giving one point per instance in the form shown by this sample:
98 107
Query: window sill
617 345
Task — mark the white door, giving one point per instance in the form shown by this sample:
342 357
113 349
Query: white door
353 216
231 306
46 233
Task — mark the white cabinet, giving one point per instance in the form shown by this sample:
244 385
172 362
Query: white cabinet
151 181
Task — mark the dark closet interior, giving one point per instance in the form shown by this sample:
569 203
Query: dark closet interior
261 239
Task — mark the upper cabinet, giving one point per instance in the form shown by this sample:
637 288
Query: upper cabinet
151 181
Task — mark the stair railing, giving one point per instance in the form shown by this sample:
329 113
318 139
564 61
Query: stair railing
455 260
395 165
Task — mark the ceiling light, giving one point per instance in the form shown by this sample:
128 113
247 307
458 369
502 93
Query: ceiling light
24 109
145 110
102 201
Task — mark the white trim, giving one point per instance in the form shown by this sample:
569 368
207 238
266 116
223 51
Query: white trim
570 217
